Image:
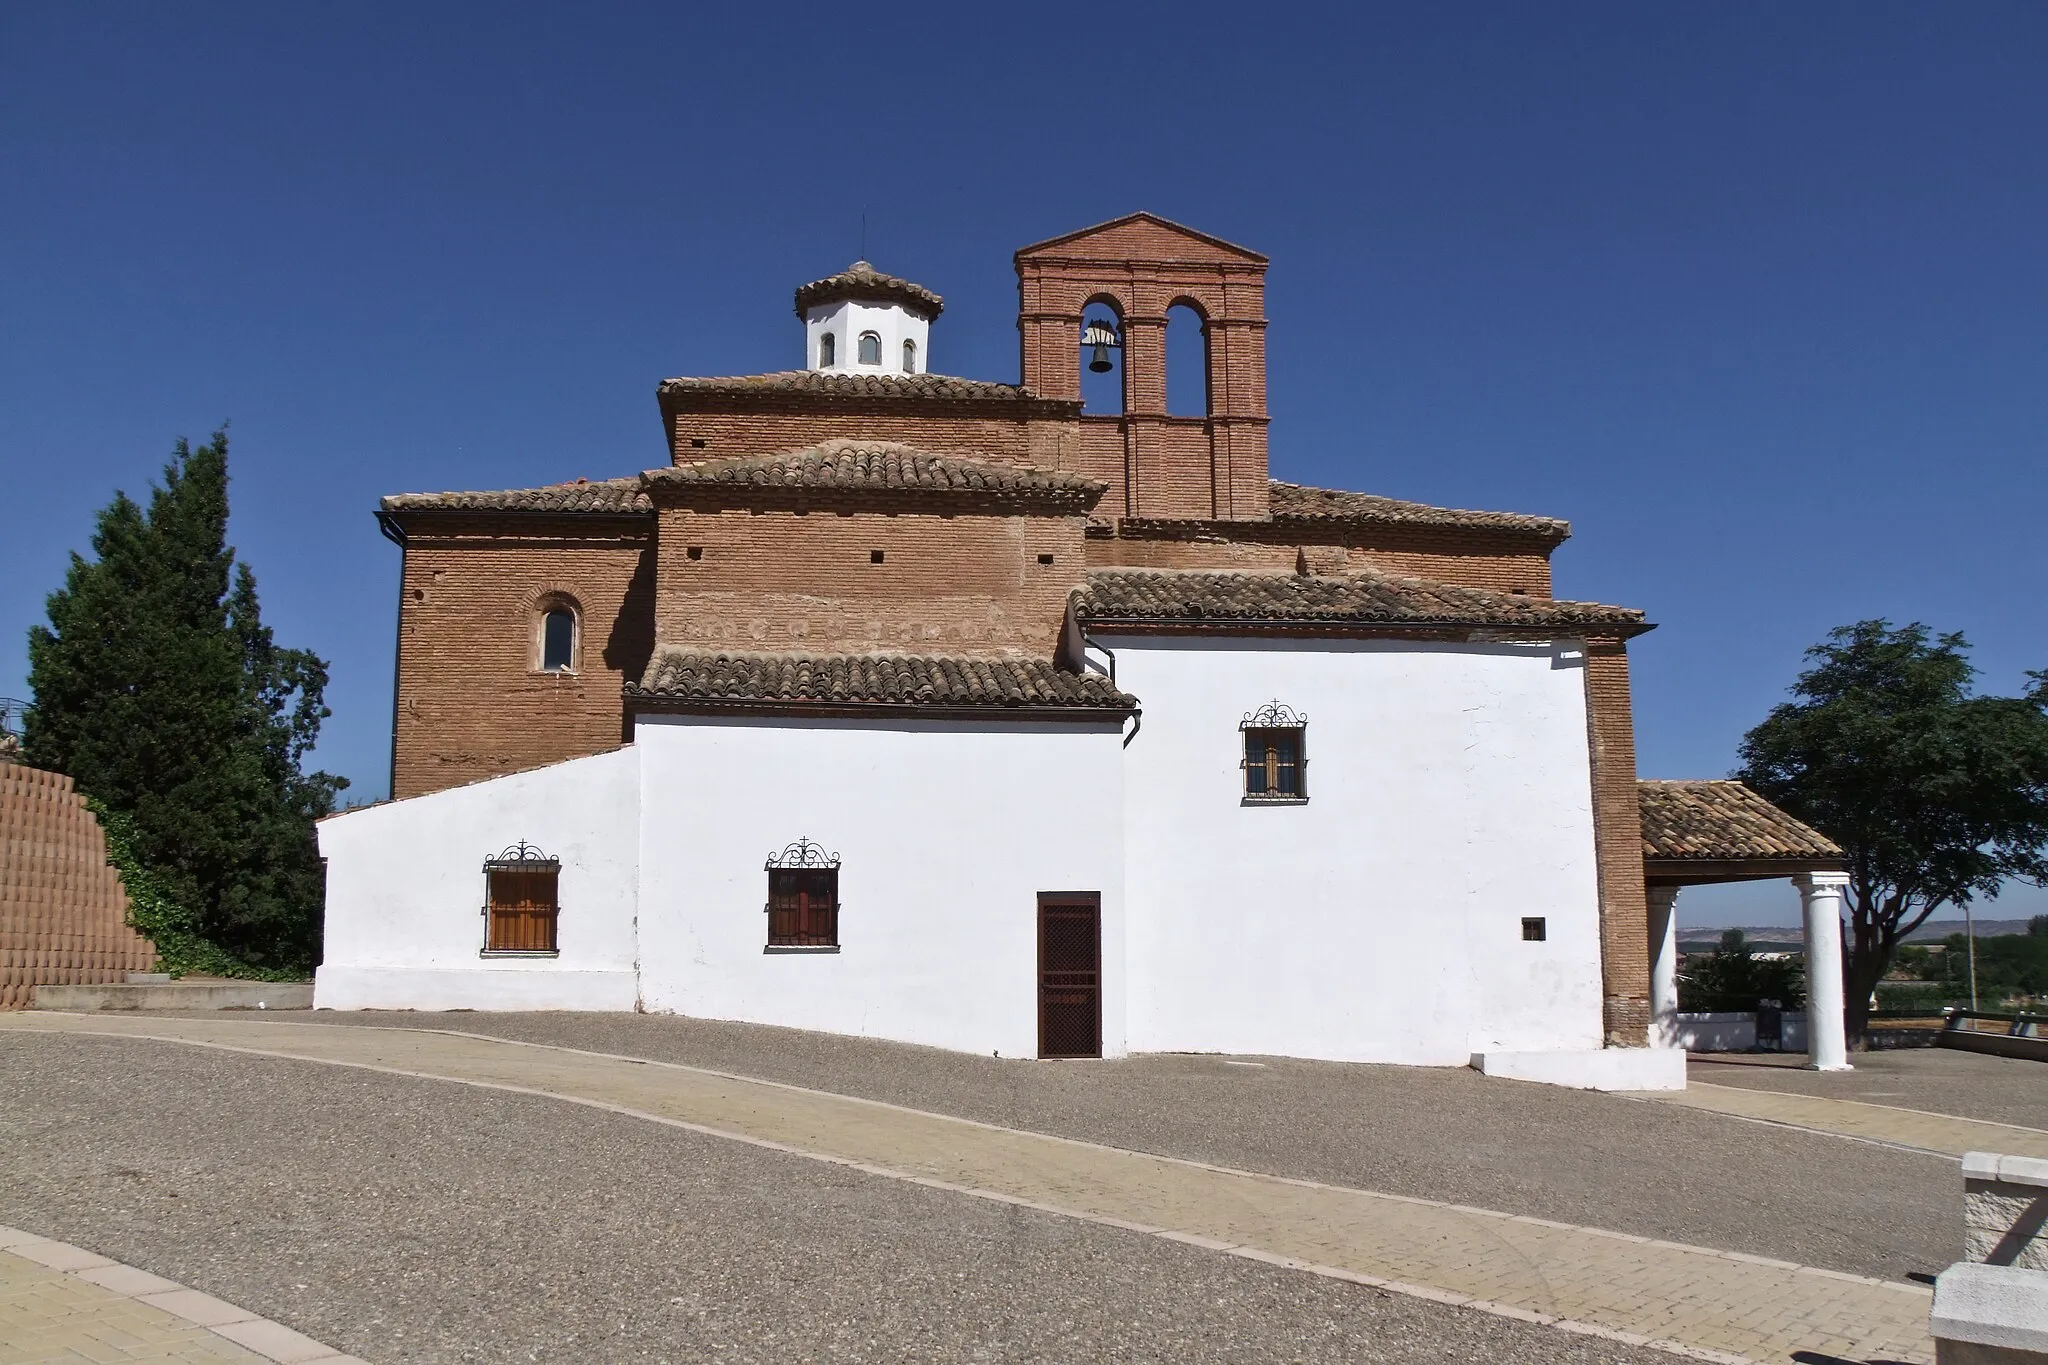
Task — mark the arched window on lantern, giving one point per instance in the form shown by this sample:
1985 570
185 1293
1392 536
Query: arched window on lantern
828 351
556 636
910 357
870 348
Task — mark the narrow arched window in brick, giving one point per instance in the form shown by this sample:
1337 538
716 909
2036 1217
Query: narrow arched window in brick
557 633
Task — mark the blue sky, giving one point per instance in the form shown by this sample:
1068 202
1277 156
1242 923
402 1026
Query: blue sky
1755 295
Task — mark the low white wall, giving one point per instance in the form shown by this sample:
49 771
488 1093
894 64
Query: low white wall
405 893
1734 1032
946 831
1450 795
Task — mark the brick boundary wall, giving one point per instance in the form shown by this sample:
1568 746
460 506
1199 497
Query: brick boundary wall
63 913
1618 838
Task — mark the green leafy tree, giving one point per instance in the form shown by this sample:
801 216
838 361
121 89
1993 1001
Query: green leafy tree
1936 795
161 692
1733 977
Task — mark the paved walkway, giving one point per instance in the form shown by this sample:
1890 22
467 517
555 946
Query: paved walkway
1705 1303
1944 1134
63 1305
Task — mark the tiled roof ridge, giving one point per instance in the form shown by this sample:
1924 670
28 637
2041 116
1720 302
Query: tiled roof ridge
680 673
1722 819
859 463
862 384
862 281
1307 502
1364 596
602 496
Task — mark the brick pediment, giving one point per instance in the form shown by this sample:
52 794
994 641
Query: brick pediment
1145 237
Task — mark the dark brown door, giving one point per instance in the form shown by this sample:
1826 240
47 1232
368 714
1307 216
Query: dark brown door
1070 975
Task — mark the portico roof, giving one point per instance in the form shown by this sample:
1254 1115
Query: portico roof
1721 831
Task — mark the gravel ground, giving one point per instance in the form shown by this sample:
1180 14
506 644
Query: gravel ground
1449 1134
1940 1080
410 1220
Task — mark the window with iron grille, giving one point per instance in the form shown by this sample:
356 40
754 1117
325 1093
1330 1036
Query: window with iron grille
803 897
522 902
1275 755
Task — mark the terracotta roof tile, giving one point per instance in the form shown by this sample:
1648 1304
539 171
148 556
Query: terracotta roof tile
1164 596
582 495
1298 502
677 674
859 385
862 281
1721 820
886 467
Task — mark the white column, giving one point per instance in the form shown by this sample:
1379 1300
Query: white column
1820 899
1663 965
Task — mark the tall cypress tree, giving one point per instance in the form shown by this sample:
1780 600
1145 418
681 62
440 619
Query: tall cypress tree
160 690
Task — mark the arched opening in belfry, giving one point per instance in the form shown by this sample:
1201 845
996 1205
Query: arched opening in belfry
1102 359
1187 361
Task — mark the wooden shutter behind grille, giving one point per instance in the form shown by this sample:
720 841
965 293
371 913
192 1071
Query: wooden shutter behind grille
523 909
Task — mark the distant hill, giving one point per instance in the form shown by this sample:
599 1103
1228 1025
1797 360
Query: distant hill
1698 939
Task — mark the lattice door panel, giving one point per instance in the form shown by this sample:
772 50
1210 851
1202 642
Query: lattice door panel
1069 979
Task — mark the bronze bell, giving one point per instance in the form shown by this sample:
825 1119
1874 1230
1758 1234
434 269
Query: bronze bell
1103 338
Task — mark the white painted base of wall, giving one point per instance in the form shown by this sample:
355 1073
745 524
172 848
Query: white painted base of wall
507 988
1607 1068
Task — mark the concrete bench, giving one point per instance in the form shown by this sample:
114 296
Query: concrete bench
1992 1308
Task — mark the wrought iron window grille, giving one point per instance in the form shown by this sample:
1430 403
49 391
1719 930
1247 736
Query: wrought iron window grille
520 927
803 900
1275 762
522 857
803 853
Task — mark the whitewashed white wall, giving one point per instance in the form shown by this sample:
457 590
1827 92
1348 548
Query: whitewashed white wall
1449 796
405 893
1735 1031
946 832
848 318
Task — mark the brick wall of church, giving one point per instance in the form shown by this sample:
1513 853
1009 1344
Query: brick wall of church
472 701
1045 443
1618 833
1473 559
783 580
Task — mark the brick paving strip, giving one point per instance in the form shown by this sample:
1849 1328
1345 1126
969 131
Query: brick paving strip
1696 1301
1941 1134
61 1303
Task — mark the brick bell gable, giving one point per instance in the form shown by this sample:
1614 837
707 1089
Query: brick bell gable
1157 465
